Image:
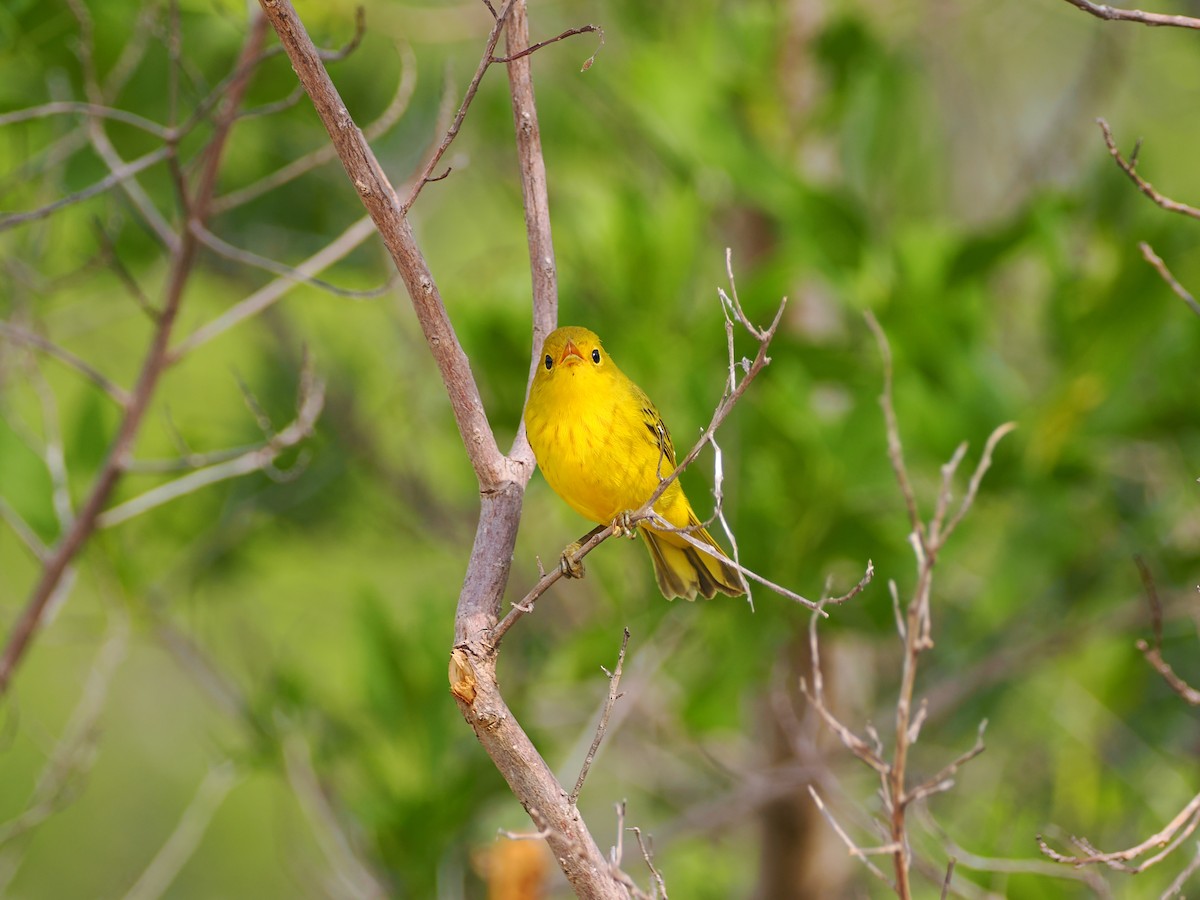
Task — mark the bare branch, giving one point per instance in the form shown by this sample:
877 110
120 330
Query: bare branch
405 88
50 583
1113 14
485 63
570 32
914 625
66 107
1180 291
1153 652
312 400
585 545
949 877
354 878
944 780
1175 832
264 297
245 257
377 194
895 448
1130 168
985 463
183 841
118 175
614 679
855 850
647 856
24 336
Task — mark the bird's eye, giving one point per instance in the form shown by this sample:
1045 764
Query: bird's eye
596 356
549 361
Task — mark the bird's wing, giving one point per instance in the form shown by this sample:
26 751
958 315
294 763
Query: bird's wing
660 435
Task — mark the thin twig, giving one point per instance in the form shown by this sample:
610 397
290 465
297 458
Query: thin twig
570 32
379 197
1175 889
485 62
895 448
67 107
117 176
985 463
1114 14
944 780
24 336
183 841
648 857
28 536
1169 837
50 581
258 459
245 257
265 296
75 751
1036 866
1180 291
1129 167
661 524
949 877
816 698
352 872
614 679
862 854
1153 652
405 88
100 141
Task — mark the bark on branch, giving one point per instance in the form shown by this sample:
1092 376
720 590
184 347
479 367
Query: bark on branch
502 479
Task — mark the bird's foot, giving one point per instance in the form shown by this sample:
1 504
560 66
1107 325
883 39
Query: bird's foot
623 525
571 568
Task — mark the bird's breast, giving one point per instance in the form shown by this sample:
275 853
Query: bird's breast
593 452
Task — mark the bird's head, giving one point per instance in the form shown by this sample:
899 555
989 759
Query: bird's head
569 352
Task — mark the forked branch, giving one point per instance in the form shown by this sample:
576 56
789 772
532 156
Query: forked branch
914 624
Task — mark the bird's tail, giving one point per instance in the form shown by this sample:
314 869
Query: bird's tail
683 570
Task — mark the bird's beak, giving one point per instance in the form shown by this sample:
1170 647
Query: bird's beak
569 351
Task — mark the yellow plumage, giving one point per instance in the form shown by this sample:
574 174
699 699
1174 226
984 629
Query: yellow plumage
603 448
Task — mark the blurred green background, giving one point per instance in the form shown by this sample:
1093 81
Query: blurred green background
244 694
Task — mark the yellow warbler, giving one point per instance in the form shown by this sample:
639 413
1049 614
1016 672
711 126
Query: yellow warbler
603 447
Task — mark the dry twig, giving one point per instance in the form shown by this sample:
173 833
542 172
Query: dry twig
614 679
1115 14
914 624
183 257
1165 841
1129 167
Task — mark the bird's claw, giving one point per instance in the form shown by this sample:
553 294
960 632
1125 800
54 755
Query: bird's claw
571 568
623 525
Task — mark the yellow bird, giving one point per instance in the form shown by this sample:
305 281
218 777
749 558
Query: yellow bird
603 447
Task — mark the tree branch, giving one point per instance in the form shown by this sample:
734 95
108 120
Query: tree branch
502 481
1129 167
376 192
182 260
1113 14
1180 291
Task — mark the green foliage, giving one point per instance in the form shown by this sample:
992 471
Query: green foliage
836 159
